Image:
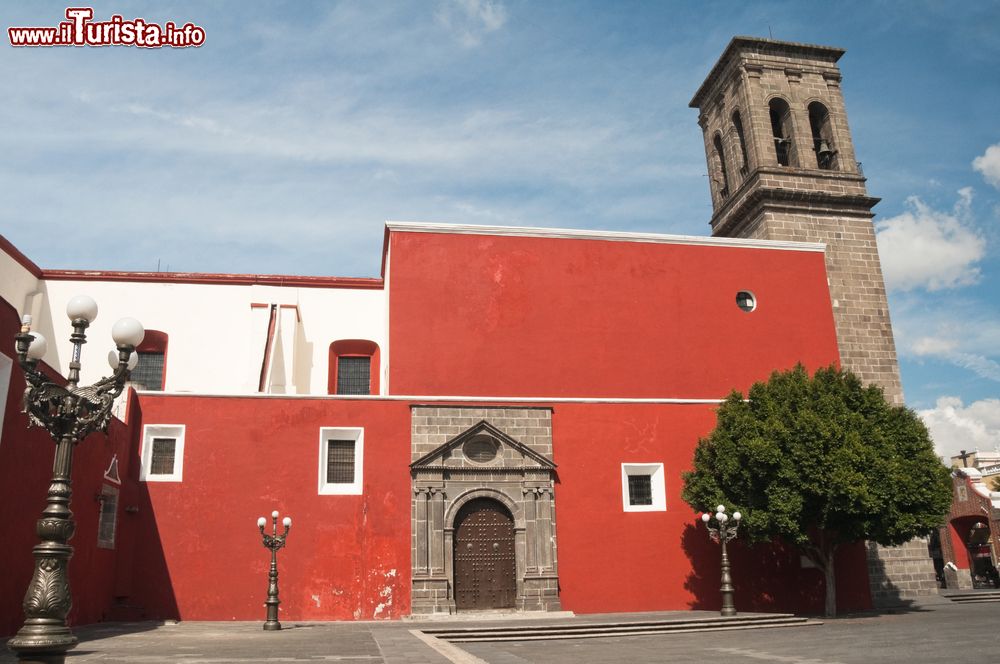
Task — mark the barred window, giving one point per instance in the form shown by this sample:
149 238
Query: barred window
643 489
481 449
640 490
354 375
162 453
162 457
341 454
340 462
148 373
107 520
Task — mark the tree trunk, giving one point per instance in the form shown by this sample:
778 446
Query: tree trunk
823 556
829 575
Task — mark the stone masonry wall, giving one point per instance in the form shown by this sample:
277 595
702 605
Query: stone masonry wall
434 426
900 573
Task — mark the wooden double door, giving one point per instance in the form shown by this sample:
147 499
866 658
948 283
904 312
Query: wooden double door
485 563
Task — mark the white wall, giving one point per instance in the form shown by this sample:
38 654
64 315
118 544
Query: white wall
16 282
215 337
17 286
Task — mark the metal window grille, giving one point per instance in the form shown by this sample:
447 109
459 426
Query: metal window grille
339 461
148 373
161 461
640 490
480 449
354 375
106 522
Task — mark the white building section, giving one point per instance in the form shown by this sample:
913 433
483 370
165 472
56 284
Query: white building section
227 334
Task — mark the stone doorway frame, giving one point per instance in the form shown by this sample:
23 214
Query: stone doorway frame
521 476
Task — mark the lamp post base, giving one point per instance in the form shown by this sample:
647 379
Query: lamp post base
42 644
272 626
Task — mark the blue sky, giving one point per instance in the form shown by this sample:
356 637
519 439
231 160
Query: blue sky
285 142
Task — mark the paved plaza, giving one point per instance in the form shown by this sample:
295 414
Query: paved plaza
929 634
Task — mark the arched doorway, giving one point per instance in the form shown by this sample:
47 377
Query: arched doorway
479 467
485 567
981 564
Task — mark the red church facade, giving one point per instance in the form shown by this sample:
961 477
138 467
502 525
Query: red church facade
501 420
622 344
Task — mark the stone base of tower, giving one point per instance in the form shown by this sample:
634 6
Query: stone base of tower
900 574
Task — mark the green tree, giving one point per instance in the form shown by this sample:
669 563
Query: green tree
821 462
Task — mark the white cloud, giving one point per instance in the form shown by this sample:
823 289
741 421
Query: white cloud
961 332
988 164
470 20
945 349
955 427
932 249
933 346
978 364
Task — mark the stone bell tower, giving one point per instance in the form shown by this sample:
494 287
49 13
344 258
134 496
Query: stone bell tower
782 167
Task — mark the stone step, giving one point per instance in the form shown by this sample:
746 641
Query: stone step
980 596
975 598
603 630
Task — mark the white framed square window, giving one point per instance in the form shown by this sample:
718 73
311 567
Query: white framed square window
642 487
341 456
162 453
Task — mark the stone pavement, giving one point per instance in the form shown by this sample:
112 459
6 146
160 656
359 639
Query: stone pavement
927 634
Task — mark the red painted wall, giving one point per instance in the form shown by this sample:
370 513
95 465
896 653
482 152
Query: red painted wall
198 554
470 315
612 560
515 316
26 457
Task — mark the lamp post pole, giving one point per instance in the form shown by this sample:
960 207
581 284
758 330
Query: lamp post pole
69 413
723 533
274 541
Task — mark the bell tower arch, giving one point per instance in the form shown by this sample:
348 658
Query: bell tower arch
782 167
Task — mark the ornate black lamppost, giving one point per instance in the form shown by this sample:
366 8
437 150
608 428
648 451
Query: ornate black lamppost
69 413
274 541
722 533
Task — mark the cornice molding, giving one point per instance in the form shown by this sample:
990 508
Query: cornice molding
609 236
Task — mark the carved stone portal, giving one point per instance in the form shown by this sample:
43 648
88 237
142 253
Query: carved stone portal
466 454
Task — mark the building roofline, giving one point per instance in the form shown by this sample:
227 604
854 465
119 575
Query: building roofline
610 236
760 45
222 279
8 248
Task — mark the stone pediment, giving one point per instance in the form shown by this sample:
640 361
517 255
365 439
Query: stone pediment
483 447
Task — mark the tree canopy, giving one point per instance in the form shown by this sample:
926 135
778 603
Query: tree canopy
820 462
